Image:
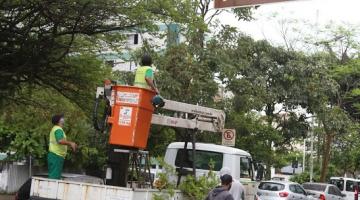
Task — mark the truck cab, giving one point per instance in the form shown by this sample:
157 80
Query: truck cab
239 161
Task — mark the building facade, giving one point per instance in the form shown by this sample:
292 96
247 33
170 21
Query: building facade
166 35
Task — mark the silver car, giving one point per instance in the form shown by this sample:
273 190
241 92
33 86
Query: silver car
323 191
280 190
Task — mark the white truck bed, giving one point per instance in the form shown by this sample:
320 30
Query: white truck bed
43 188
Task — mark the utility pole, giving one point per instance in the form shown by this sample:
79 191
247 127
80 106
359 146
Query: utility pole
304 156
30 166
311 149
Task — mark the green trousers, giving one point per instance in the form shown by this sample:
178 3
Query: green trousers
55 165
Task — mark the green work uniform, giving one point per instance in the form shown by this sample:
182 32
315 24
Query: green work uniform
142 73
57 153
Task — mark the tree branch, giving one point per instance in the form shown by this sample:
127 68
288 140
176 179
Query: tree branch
103 30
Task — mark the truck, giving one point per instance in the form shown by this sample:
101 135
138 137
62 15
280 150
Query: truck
50 189
128 114
239 162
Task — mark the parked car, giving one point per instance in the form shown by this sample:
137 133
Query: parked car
280 178
346 186
24 191
323 191
280 190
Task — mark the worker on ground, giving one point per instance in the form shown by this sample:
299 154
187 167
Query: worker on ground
144 77
237 189
222 192
58 147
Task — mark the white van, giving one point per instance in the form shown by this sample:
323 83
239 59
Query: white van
346 186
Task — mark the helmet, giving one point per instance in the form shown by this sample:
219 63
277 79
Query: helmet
158 101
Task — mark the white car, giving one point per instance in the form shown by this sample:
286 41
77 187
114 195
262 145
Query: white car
323 191
280 190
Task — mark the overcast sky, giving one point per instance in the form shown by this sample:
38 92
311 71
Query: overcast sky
329 11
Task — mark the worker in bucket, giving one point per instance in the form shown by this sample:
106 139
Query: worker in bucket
144 77
222 192
237 189
58 147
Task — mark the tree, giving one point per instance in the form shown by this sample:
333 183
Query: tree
40 39
330 88
318 90
265 79
184 71
346 153
50 64
25 127
203 18
335 105
348 78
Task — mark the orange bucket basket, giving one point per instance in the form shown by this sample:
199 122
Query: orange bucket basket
131 115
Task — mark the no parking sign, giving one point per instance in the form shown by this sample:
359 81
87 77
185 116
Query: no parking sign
228 137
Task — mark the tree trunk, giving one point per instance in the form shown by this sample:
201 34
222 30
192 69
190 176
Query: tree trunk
269 162
268 172
326 155
318 149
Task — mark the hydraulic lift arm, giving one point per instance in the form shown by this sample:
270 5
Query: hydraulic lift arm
206 119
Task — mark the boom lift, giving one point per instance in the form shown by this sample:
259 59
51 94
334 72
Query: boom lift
128 114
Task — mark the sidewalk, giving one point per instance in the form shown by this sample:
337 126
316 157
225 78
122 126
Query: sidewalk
6 197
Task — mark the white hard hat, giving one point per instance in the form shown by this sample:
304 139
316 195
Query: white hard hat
225 170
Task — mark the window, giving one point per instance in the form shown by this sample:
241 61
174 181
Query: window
337 191
111 63
203 159
338 183
136 39
292 188
299 190
334 191
245 167
350 186
316 187
331 190
153 166
271 186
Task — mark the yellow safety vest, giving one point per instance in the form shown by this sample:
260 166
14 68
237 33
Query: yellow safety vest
55 147
140 77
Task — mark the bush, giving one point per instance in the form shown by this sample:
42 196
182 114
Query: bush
194 188
198 188
163 182
304 177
